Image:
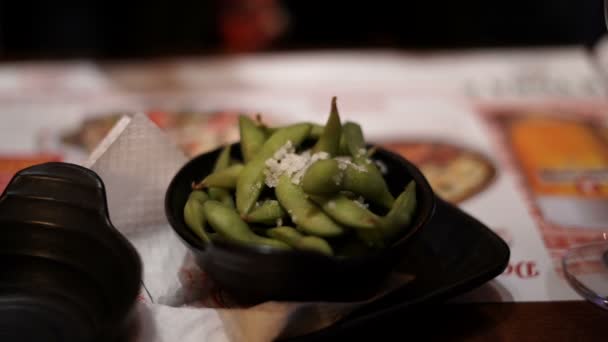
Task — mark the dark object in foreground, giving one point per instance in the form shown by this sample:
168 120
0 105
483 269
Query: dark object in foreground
67 273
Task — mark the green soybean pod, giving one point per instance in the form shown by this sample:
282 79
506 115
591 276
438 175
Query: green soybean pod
250 182
353 138
366 180
295 133
315 130
401 214
295 239
229 225
271 130
304 213
259 230
268 212
322 178
226 178
343 150
355 142
222 162
194 215
314 244
221 195
329 141
330 176
286 234
223 159
252 137
347 212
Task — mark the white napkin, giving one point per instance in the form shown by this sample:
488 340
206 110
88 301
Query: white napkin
136 162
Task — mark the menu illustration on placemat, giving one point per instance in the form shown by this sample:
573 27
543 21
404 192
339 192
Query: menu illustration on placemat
562 161
194 132
454 173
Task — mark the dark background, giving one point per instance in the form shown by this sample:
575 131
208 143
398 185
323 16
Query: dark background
56 29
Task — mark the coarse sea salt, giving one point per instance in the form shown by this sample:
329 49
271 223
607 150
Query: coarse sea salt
381 166
361 152
337 178
345 162
287 162
361 202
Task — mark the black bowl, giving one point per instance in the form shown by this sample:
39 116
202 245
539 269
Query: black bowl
67 273
252 275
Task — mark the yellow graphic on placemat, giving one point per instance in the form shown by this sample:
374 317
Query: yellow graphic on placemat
565 163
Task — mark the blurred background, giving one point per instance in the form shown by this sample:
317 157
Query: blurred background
109 29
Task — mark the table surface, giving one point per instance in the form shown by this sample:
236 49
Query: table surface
524 321
532 321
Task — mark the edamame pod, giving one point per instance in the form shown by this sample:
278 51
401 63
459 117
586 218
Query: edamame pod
229 225
366 180
343 150
401 214
226 178
314 244
397 219
269 212
330 176
194 215
353 138
305 213
295 239
295 133
286 234
223 159
259 230
221 195
252 137
322 178
222 162
355 142
249 185
329 141
251 180
198 196
315 130
347 212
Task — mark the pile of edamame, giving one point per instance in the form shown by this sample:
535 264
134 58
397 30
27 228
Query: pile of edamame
302 186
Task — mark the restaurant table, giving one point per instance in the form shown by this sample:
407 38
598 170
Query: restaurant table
32 97
534 321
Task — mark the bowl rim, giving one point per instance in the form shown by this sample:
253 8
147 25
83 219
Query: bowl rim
196 244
